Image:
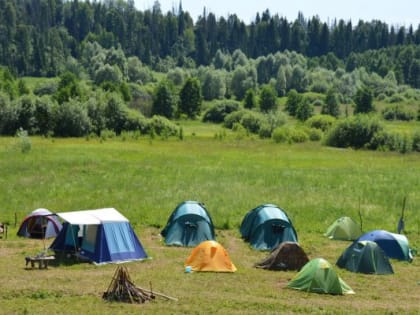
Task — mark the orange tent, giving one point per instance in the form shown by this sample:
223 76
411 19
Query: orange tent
210 256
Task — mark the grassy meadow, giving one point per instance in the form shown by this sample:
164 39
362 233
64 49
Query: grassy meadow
145 179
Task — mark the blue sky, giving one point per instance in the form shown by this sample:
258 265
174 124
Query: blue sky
397 13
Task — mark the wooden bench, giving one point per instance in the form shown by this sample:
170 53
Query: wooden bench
41 260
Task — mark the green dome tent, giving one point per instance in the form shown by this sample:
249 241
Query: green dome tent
344 229
365 257
189 225
318 276
266 226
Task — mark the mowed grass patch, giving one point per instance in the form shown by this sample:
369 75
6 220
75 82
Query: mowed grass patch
146 179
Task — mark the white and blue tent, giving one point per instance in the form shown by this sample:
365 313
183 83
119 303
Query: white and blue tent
100 236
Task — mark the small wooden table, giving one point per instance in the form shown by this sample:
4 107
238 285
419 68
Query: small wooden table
41 260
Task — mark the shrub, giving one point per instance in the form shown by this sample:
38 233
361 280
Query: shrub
44 115
364 100
220 110
116 113
315 134
381 97
252 121
322 122
25 108
265 130
268 98
276 119
396 98
107 134
298 136
416 141
392 141
293 101
240 131
162 126
234 117
357 131
8 116
398 112
289 135
24 143
136 122
317 103
71 120
305 110
47 88
280 135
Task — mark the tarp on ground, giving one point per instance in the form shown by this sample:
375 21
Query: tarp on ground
286 256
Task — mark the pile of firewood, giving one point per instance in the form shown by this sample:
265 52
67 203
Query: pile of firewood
122 289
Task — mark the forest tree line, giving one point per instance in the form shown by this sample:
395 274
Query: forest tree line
39 37
105 68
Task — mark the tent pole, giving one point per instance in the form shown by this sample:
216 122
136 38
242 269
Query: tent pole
401 225
360 217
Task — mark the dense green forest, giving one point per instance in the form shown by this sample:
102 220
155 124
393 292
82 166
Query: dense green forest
74 68
40 36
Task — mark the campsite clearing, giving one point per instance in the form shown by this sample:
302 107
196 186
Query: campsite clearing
145 180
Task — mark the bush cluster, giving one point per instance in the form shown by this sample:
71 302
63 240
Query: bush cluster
254 122
74 118
322 122
364 131
290 135
217 112
355 132
398 112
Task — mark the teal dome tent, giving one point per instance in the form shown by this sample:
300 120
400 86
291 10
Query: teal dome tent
365 257
266 226
189 225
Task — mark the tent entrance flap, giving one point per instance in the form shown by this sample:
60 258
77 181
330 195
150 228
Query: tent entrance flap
121 238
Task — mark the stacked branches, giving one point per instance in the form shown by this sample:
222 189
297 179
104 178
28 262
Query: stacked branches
122 289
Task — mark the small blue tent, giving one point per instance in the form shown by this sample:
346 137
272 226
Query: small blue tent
100 236
267 226
394 245
189 225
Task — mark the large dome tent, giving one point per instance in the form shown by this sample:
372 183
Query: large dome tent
189 225
266 226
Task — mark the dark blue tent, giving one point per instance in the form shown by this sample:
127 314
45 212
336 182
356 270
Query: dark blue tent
394 245
267 226
100 236
365 257
189 225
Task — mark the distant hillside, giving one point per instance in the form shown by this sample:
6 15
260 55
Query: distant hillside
43 38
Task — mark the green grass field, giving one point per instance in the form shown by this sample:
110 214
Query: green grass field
145 180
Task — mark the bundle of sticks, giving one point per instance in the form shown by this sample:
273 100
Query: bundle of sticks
122 289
